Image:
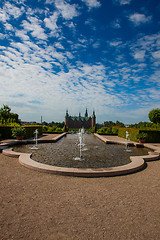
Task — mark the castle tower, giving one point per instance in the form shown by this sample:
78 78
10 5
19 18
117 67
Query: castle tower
66 118
93 119
86 113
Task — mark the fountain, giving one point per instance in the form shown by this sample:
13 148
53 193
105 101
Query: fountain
127 144
36 141
88 152
80 144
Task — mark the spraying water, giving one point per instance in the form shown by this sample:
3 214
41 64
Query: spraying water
81 144
36 141
127 139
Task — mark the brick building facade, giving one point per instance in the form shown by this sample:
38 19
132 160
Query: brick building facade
79 121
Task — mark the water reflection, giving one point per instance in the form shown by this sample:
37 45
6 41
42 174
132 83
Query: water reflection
95 153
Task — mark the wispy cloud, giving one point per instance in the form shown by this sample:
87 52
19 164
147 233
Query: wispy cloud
139 18
116 24
156 54
139 55
68 11
54 60
51 22
12 10
115 43
92 3
34 26
122 2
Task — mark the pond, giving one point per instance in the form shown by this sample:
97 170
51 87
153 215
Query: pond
95 153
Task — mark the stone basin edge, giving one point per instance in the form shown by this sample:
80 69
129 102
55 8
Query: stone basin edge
137 163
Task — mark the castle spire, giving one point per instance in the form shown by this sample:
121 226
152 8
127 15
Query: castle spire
67 113
86 113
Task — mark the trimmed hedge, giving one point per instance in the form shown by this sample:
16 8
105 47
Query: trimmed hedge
30 129
132 133
6 131
108 131
153 135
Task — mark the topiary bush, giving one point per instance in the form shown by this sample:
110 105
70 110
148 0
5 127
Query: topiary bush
18 132
142 136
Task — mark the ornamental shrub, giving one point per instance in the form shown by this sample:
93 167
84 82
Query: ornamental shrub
142 136
44 128
115 130
107 131
18 132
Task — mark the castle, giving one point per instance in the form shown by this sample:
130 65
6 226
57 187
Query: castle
79 121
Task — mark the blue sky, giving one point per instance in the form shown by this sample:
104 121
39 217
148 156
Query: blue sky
72 54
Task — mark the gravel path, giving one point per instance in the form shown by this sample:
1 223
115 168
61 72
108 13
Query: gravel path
39 206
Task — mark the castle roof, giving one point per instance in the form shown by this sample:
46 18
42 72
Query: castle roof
79 118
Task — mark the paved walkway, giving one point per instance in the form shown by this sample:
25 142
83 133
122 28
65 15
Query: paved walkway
38 206
116 139
43 139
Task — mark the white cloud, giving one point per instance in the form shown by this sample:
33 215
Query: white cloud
96 44
8 27
122 2
90 22
138 18
22 35
67 10
156 54
13 10
3 15
59 45
146 48
51 22
2 36
34 26
92 3
116 24
139 55
36 66
115 43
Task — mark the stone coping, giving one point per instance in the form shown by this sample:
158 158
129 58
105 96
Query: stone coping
41 139
117 140
137 163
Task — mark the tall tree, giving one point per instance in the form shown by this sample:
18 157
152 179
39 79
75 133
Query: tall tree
154 115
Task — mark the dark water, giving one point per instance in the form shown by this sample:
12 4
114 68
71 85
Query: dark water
95 153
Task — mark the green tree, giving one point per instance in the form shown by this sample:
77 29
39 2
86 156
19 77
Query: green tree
65 128
5 112
119 124
6 116
154 115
